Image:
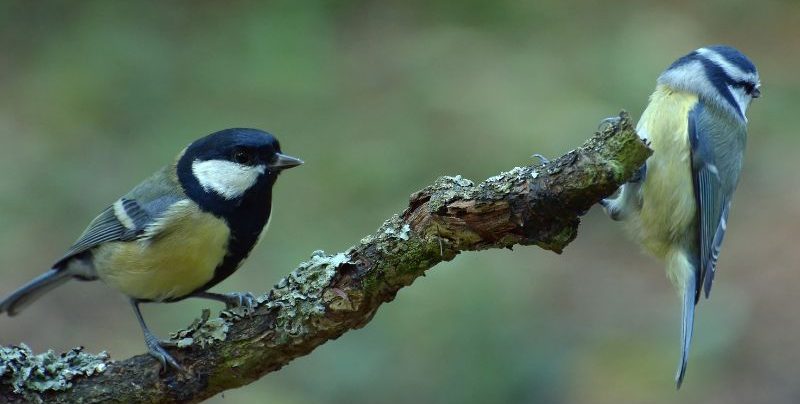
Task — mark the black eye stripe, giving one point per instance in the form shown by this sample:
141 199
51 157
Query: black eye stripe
748 86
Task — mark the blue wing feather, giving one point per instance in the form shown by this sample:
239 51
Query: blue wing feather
713 201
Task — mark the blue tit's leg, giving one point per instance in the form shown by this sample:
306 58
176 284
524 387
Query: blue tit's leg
154 347
629 199
231 300
624 204
609 124
542 159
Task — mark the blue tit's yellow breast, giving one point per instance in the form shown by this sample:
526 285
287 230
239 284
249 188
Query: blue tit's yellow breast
668 214
177 254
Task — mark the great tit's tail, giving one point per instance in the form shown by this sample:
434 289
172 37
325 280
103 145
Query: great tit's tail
687 326
33 290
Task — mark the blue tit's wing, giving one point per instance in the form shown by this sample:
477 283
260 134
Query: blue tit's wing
128 218
713 187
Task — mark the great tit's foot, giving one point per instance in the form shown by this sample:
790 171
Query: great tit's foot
232 300
239 299
544 160
157 351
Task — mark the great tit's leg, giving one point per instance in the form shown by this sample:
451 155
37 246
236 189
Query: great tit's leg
154 347
232 300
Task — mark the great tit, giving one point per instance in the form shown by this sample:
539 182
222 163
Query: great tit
678 203
178 233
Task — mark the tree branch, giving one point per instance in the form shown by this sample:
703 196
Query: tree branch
329 295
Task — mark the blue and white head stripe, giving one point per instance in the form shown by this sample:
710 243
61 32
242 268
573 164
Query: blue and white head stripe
734 64
719 74
732 56
719 78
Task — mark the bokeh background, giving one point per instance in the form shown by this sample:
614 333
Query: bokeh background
380 98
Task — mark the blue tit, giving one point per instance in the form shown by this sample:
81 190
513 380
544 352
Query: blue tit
677 205
178 233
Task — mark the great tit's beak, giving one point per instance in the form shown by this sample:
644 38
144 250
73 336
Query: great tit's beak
282 162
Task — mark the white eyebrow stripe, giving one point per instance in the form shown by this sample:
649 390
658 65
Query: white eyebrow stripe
730 69
227 179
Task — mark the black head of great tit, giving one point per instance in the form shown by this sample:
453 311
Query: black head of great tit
178 233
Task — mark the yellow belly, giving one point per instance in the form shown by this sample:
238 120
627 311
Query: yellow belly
179 256
668 215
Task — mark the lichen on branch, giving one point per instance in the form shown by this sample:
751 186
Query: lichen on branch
329 295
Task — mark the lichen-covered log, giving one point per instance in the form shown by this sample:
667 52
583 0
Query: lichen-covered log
331 294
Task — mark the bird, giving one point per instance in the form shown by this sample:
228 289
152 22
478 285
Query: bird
179 232
677 204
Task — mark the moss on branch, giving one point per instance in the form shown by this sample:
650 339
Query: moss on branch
329 295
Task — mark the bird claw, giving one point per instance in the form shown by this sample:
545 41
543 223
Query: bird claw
239 299
156 350
544 160
609 123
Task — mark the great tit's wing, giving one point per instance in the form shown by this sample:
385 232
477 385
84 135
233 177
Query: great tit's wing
120 222
129 217
713 187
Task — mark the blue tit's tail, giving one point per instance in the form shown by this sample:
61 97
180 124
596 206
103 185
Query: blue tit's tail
34 289
687 326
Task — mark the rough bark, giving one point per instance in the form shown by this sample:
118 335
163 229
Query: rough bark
328 295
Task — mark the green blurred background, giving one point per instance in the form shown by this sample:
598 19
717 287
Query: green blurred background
380 98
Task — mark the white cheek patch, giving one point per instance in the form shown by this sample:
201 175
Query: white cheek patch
742 99
228 179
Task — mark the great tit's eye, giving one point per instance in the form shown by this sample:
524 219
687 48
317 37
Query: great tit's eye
243 156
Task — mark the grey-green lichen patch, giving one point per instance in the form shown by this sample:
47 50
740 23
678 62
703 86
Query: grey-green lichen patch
391 236
300 295
402 233
26 372
405 257
446 189
203 331
461 181
503 183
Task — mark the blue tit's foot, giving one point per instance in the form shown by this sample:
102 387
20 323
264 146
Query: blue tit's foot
639 175
609 124
156 350
232 300
612 209
544 160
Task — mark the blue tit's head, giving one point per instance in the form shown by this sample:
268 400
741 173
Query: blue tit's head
720 75
227 166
